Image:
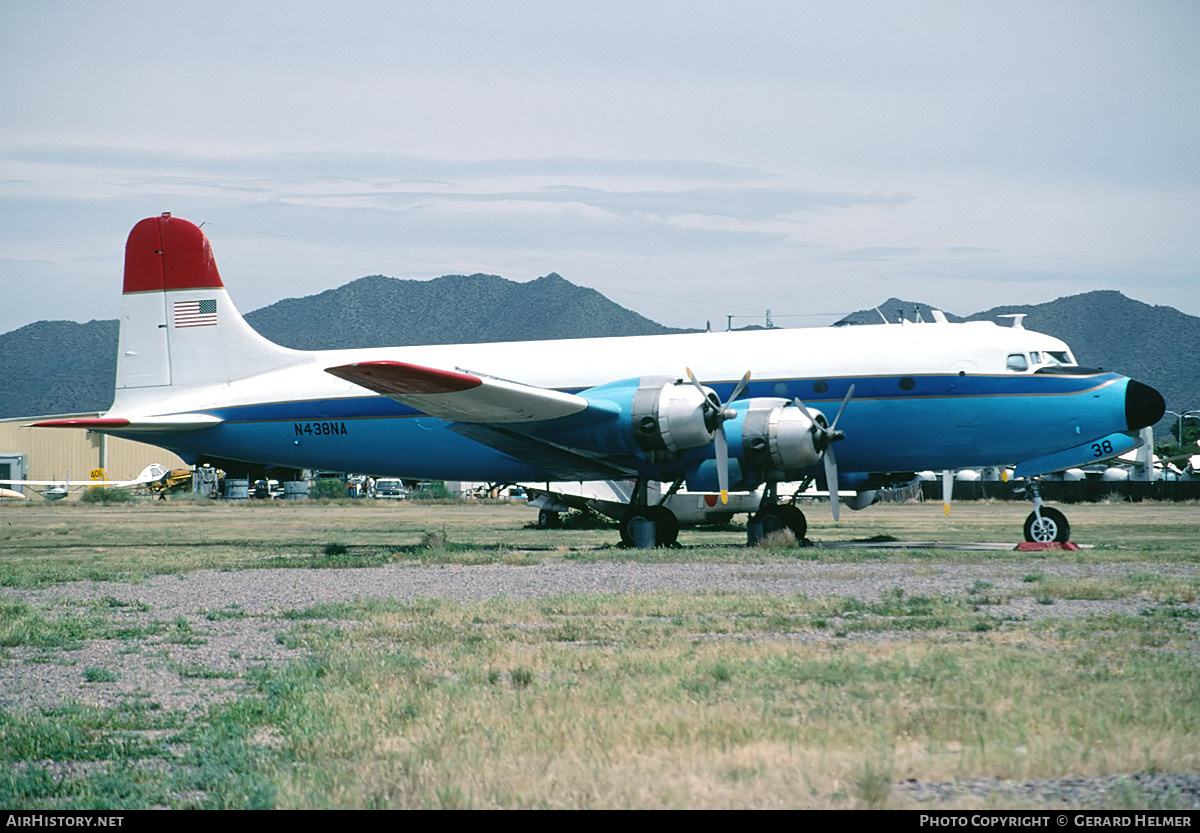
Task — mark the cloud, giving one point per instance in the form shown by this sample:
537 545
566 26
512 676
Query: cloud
696 157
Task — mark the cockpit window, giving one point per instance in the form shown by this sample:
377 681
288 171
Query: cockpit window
1035 357
1058 357
1016 361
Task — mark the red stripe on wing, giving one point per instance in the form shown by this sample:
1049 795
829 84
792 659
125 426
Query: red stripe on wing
403 378
93 422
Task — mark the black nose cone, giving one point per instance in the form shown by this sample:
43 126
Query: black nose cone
1143 405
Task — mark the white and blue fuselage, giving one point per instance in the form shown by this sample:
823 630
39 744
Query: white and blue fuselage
925 395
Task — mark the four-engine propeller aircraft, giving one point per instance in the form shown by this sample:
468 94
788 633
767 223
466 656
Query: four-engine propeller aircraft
193 377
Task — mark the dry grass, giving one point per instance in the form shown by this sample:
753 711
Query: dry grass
44 543
672 700
624 710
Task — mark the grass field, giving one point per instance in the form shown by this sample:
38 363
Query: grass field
667 698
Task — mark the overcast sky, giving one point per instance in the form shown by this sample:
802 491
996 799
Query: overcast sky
690 160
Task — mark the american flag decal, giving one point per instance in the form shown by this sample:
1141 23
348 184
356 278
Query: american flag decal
196 313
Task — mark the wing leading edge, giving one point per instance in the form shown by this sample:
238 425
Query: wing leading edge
461 397
498 413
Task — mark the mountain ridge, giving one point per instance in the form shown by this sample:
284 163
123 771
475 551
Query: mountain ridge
53 367
451 309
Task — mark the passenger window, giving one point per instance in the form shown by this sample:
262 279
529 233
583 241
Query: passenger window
1016 361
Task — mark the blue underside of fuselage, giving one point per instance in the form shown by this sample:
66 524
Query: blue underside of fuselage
892 424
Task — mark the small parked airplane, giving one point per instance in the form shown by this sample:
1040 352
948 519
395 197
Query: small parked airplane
59 489
194 377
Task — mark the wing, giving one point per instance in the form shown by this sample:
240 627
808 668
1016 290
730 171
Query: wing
558 460
461 397
649 425
70 484
33 483
523 421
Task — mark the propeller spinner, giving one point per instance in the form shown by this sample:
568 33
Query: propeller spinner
716 414
823 439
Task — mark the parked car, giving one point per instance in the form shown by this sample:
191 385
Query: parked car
393 489
267 490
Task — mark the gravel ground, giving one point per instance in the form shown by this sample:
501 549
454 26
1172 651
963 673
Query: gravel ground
217 625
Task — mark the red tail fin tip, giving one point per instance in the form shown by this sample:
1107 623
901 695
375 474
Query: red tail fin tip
165 253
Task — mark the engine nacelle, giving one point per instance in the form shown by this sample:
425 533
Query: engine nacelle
777 436
672 416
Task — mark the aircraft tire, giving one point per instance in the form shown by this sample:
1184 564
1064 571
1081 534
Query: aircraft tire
548 520
666 525
783 516
1053 527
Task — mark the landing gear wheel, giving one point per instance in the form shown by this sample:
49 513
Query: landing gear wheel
783 516
1052 528
548 519
666 525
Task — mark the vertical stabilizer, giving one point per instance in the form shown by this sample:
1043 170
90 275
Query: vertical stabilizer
179 327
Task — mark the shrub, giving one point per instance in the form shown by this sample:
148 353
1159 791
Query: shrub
431 491
330 487
433 540
100 675
100 494
778 539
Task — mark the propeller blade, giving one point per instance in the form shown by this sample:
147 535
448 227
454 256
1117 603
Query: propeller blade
796 401
947 489
739 388
696 382
722 462
831 480
845 402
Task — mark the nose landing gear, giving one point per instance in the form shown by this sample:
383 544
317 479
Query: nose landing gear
1045 525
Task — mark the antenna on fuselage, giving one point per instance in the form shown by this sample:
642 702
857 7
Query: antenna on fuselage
1017 319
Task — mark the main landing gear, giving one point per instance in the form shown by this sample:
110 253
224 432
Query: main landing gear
640 517
1045 524
666 525
773 516
782 516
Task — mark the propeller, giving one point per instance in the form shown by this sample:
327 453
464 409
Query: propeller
823 439
715 416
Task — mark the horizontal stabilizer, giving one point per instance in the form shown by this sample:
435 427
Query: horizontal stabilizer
149 424
460 397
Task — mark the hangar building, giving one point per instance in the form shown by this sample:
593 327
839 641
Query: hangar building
56 453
